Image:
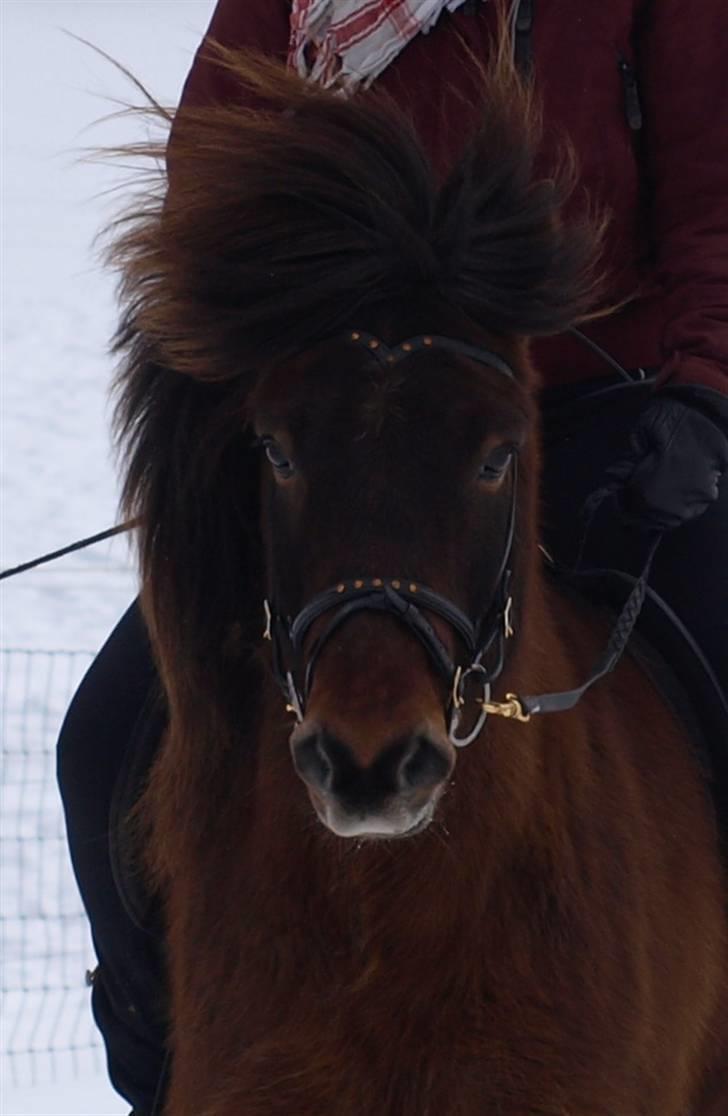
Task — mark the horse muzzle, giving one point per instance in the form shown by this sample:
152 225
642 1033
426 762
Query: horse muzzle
393 796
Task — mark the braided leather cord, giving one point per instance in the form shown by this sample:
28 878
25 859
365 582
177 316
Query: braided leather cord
618 640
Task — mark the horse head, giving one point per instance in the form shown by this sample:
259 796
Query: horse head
389 491
328 404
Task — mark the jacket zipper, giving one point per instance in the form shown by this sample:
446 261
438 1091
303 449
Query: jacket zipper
631 93
523 36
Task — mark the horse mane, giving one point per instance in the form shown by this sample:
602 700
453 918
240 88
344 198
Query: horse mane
288 215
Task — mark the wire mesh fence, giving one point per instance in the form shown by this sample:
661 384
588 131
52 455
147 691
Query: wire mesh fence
47 1029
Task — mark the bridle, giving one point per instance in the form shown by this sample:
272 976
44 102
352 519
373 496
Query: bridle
484 639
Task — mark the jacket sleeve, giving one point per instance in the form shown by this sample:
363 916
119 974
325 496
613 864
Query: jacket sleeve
682 52
261 25
253 24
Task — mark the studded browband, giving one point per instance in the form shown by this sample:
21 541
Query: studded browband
388 356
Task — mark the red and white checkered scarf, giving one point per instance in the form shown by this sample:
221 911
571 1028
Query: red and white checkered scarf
348 43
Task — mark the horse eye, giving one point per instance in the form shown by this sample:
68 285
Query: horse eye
496 463
277 458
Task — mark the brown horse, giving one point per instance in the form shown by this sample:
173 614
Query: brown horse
361 919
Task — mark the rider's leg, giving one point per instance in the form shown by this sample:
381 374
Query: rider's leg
98 734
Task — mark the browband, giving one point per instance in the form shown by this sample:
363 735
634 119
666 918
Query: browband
388 356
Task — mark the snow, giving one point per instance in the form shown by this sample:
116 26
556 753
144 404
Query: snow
58 479
47 1028
63 1099
58 484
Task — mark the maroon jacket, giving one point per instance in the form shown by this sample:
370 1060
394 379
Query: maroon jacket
665 185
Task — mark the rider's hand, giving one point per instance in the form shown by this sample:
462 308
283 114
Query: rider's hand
678 454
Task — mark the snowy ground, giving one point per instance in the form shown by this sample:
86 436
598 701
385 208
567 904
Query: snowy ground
58 484
64 1099
58 307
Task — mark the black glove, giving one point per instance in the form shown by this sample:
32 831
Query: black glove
678 453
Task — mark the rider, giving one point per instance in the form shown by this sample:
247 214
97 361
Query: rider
639 88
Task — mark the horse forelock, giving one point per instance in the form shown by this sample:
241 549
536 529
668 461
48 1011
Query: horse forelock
283 219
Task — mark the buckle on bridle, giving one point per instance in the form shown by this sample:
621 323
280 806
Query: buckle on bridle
294 704
458 700
511 708
268 633
508 630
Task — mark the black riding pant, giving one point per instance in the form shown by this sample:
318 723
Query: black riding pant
582 436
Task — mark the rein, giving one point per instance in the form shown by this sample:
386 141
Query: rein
81 544
484 638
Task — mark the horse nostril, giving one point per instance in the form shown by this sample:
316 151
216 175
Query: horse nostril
332 768
312 762
424 764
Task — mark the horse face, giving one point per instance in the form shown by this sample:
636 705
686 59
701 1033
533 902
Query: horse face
403 473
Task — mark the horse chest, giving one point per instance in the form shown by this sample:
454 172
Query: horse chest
363 1033
361 985
312 1023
